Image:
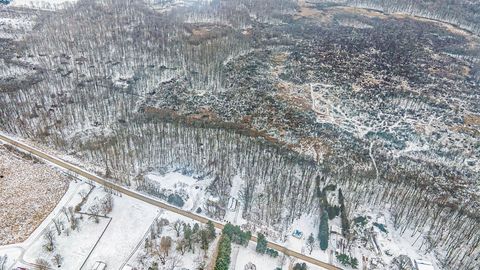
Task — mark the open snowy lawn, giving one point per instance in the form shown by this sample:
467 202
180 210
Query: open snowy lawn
29 191
241 256
8 256
309 224
131 219
112 240
73 247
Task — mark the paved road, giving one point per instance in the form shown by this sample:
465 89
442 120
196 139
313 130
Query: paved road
147 199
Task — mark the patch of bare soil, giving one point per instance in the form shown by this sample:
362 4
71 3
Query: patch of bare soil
472 119
29 191
203 32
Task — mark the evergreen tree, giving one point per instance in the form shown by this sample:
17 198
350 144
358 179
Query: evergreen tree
333 211
300 266
343 214
261 244
154 266
246 238
187 234
204 239
196 228
211 230
224 250
323 231
354 262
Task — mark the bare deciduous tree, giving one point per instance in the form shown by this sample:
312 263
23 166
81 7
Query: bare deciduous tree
66 213
182 245
107 204
57 260
174 262
162 250
83 194
94 210
3 262
42 264
49 237
58 225
177 226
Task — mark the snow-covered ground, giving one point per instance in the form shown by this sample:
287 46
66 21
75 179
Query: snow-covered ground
75 245
42 4
394 242
234 207
391 244
242 256
15 251
308 224
119 239
141 259
11 253
112 240
131 219
192 191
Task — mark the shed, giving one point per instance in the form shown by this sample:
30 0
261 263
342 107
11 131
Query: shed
423 265
99 266
297 234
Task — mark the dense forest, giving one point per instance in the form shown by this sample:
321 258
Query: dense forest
290 103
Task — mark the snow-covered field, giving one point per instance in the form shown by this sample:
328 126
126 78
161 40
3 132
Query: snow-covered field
29 191
111 240
241 256
131 219
73 245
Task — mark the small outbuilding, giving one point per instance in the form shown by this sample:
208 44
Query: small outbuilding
423 265
99 266
297 234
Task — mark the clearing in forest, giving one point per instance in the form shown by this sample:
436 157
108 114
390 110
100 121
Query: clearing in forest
29 190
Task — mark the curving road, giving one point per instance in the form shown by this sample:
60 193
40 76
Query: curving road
147 199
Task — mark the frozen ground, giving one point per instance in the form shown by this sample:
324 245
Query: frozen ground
391 244
308 224
244 255
241 256
131 219
395 243
29 191
75 246
111 240
42 4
